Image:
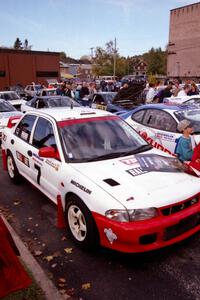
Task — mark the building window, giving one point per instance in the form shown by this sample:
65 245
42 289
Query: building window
46 74
2 74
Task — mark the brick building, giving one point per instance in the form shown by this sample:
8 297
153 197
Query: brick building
24 67
184 42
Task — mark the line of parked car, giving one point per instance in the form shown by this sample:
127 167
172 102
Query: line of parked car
119 184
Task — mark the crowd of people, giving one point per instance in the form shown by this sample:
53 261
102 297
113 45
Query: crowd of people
81 91
156 93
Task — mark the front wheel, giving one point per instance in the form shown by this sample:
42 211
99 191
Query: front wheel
13 172
80 223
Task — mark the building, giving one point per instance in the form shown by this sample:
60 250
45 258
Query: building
23 67
184 42
140 68
72 70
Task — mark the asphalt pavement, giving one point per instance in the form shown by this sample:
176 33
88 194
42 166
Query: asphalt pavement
170 273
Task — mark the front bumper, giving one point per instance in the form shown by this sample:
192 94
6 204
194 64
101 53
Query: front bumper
141 236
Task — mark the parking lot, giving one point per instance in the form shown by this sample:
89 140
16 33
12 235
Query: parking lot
171 273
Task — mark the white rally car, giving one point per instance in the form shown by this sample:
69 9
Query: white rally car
6 111
13 98
157 123
115 188
189 100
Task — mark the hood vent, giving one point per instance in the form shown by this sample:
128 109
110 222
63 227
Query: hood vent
111 182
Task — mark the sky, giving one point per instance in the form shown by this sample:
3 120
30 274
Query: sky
76 26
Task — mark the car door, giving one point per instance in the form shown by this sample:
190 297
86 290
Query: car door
160 128
21 145
46 173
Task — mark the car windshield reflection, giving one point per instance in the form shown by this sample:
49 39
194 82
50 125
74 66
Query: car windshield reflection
100 139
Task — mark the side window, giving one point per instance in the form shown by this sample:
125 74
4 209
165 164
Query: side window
160 120
99 100
150 117
138 116
25 126
43 135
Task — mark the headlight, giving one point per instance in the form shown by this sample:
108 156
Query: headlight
131 214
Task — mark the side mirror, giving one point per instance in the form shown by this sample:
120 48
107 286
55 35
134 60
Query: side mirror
49 152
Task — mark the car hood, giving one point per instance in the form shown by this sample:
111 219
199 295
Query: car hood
134 189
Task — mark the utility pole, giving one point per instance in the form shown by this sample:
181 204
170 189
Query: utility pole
114 58
91 52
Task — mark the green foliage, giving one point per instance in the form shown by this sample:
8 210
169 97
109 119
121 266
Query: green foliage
104 61
156 60
17 44
152 79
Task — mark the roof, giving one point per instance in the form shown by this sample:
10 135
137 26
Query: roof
65 113
33 52
196 3
161 106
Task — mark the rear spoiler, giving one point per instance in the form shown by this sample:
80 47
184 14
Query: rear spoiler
13 121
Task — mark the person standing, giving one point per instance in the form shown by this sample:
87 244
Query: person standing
184 92
151 93
84 93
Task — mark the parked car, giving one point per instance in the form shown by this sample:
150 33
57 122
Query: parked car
12 98
114 187
106 101
47 92
158 123
193 100
6 111
33 90
48 102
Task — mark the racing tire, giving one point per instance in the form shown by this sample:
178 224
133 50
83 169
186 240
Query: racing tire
13 172
80 224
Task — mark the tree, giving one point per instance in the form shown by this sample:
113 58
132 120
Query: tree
156 60
63 56
26 44
104 61
17 44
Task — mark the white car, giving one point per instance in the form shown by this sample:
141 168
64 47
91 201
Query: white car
12 98
48 102
189 100
157 123
6 111
115 188
33 90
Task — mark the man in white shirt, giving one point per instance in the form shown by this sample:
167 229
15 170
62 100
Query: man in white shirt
185 91
151 93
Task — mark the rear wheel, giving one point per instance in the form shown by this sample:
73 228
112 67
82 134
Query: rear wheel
81 225
13 172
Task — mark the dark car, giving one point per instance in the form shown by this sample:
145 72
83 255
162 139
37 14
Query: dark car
107 101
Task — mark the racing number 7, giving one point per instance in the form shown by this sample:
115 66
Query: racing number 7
39 173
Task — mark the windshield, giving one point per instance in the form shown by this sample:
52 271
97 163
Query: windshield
109 97
193 115
6 106
59 102
9 96
99 139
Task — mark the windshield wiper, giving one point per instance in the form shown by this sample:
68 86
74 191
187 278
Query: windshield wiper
104 156
137 150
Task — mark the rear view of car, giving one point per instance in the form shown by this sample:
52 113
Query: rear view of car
12 98
6 111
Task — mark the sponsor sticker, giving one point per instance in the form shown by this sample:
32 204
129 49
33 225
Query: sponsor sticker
22 158
52 164
81 187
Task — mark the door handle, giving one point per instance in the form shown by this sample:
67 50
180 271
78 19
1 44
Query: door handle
29 152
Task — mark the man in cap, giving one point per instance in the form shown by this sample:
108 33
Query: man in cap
184 148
